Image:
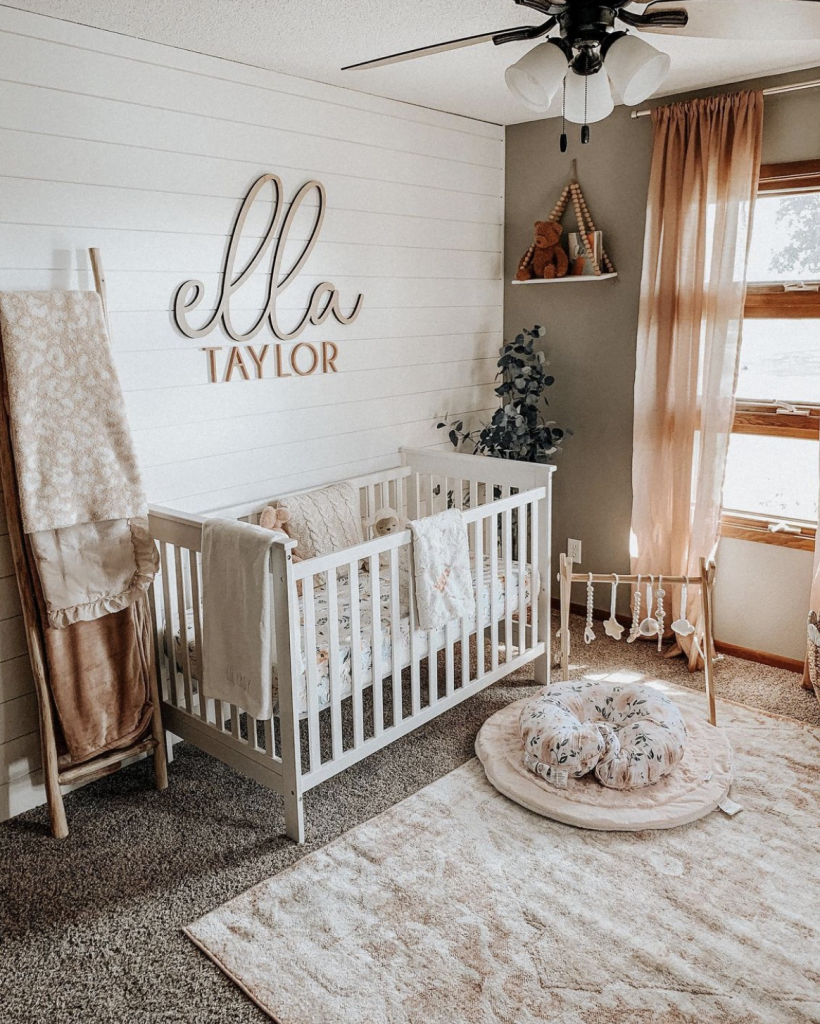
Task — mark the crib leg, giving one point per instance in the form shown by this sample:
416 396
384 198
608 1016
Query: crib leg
294 816
541 671
287 646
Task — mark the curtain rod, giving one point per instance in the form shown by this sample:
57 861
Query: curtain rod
773 91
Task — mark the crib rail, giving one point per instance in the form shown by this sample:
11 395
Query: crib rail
386 488
410 672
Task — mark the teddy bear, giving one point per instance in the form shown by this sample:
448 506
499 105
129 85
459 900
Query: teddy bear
545 258
383 523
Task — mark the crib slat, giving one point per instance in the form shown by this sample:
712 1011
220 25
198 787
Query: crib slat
449 658
253 734
196 605
534 571
376 673
432 666
395 636
170 632
473 494
413 496
182 607
465 640
431 508
159 655
235 722
522 576
334 664
415 664
508 612
486 497
356 655
493 545
269 738
312 673
219 712
479 596
371 500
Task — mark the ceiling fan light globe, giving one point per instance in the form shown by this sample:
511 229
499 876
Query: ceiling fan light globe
636 69
537 76
599 102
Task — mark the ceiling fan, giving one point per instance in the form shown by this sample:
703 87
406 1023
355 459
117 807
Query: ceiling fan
593 37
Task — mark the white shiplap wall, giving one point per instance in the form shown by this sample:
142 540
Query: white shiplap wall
146 151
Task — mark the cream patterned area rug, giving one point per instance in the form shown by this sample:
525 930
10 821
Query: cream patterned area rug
458 906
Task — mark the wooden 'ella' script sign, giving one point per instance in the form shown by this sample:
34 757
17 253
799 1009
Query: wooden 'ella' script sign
324 300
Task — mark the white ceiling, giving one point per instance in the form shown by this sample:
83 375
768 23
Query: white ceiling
314 38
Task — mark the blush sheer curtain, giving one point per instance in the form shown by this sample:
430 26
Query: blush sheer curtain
705 167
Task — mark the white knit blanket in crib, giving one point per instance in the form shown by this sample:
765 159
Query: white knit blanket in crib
441 558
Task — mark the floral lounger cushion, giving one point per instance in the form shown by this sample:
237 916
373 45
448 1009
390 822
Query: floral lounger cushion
629 735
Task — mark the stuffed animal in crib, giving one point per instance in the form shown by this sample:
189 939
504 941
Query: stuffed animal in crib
385 522
545 258
277 519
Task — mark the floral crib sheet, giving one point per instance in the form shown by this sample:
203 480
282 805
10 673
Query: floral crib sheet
343 600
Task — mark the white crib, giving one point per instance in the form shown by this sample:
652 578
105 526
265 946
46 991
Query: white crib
333 711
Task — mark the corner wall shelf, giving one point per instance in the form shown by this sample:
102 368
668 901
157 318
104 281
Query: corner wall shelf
578 279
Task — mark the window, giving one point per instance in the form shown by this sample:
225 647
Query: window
771 487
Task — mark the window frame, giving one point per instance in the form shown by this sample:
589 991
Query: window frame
778 418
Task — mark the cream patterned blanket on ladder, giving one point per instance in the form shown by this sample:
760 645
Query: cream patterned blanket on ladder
81 498
441 558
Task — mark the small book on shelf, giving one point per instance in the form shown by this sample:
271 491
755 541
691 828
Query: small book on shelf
579 263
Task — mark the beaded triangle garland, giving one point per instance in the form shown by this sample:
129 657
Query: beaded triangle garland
572 194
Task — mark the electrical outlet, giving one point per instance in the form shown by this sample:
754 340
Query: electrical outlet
574 551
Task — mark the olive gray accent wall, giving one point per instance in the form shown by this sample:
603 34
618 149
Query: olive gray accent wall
590 342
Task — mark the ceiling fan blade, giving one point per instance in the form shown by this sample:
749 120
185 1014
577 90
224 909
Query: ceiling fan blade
740 19
504 35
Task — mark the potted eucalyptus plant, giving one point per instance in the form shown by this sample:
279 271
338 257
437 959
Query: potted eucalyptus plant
517 429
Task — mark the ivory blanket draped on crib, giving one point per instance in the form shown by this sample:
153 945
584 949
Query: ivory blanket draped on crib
76 498
237 602
441 559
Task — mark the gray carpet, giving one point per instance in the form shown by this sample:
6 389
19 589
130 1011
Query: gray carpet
90 927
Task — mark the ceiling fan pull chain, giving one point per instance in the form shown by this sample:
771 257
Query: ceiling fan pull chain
585 126
564 141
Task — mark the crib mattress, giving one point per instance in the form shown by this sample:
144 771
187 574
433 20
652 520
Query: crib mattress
438 637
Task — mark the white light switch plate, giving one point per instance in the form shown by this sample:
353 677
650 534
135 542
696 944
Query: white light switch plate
574 550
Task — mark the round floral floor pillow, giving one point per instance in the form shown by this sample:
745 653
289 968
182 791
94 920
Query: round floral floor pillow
629 735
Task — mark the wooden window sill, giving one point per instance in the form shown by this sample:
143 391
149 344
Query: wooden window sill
739 526
760 418
772 302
